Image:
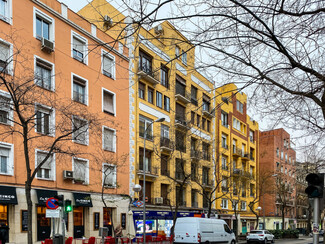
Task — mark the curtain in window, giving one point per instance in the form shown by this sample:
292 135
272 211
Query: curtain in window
108 65
78 45
40 158
79 169
4 155
109 139
108 103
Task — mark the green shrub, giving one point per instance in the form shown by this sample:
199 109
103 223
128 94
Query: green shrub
290 233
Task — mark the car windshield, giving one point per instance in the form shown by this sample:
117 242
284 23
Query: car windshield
257 232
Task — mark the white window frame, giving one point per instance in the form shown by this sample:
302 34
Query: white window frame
52 72
85 49
10 66
224 137
164 130
114 175
224 203
51 112
87 132
8 17
232 204
53 168
86 182
105 53
114 100
42 15
114 138
243 206
10 162
86 88
6 95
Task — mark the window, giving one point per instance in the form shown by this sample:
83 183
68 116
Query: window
158 99
79 48
194 95
224 203
6 158
206 151
198 120
239 125
142 89
108 64
80 170
208 125
281 154
181 86
80 131
224 162
224 139
224 184
166 103
164 131
145 63
44 74
240 107
5 56
43 26
206 103
224 119
150 95
177 51
243 206
147 165
235 204
109 139
109 175
192 118
205 175
277 152
80 90
109 101
251 136
5 10
203 123
44 120
143 126
6 110
45 171
164 76
180 141
184 57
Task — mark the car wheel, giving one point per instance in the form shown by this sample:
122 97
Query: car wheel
234 242
272 241
265 241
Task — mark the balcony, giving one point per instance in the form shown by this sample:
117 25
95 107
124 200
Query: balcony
207 112
237 172
148 75
245 156
207 183
246 174
165 145
206 156
195 155
236 152
181 123
182 96
194 101
150 172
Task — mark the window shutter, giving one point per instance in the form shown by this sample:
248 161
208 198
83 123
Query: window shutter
108 64
4 152
38 121
108 139
79 170
108 103
40 158
4 52
78 45
46 123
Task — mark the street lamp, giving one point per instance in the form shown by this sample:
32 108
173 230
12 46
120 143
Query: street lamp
259 212
144 176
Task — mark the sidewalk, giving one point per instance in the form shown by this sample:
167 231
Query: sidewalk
286 240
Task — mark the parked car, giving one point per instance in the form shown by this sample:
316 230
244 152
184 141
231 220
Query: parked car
260 236
202 230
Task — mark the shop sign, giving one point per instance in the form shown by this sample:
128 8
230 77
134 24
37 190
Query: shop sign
8 195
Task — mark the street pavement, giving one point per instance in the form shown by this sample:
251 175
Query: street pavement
300 240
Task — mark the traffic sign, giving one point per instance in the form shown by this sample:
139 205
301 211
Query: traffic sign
52 203
52 213
138 203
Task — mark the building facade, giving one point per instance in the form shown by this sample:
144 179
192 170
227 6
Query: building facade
76 112
278 158
237 140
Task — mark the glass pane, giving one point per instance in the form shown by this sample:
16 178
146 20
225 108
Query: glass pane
38 27
46 32
4 164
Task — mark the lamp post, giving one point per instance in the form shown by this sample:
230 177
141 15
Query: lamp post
259 213
144 176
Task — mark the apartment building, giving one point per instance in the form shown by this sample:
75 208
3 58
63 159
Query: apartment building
77 95
237 141
164 84
303 208
278 158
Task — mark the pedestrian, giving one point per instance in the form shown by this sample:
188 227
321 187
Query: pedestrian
118 233
3 233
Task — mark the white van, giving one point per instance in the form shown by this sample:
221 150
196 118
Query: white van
202 230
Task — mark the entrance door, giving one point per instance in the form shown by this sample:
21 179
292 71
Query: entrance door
43 224
107 214
4 219
78 222
244 227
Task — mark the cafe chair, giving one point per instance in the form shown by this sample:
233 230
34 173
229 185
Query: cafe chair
92 240
69 240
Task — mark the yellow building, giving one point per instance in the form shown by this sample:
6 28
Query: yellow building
163 83
237 136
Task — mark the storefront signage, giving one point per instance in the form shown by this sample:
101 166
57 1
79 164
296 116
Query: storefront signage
44 195
82 200
161 214
8 195
24 220
52 213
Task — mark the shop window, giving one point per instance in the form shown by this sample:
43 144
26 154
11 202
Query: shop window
3 214
43 224
107 221
78 221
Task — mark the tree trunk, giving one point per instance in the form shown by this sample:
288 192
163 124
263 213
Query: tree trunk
257 219
29 211
282 218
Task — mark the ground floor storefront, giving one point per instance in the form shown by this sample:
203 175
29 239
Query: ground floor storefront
88 214
275 223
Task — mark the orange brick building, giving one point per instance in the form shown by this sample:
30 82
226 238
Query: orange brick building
277 159
74 70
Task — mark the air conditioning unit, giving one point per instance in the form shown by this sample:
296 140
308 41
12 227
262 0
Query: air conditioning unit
67 174
159 30
108 22
47 45
159 200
